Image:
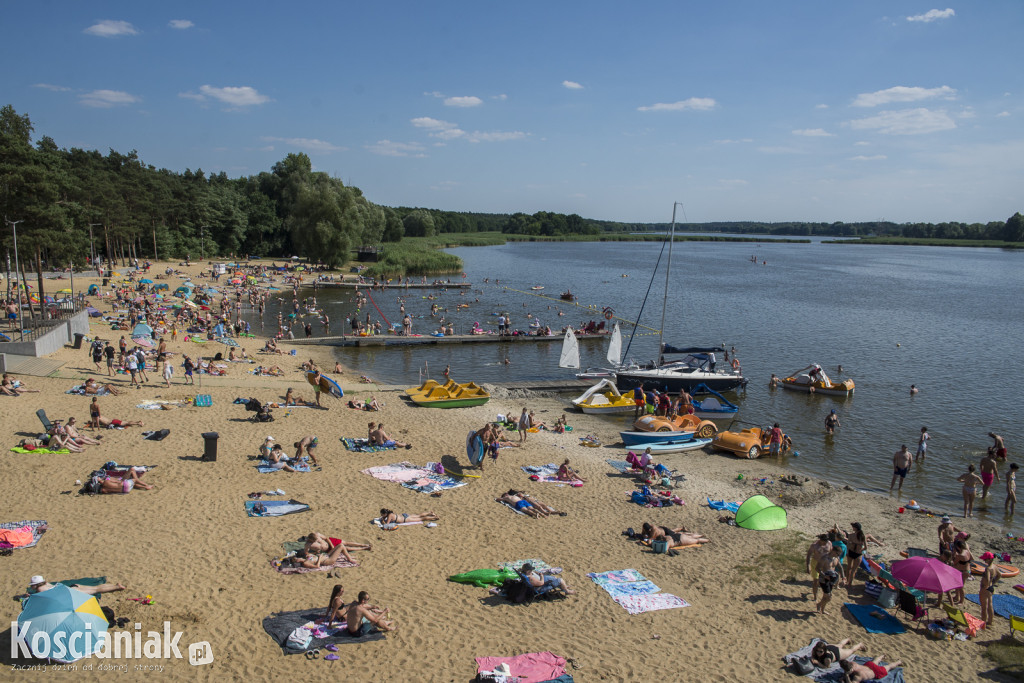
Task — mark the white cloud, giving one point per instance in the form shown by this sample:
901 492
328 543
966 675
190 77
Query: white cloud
180 23
236 96
779 149
1003 114
861 157
813 133
967 113
572 85
310 144
445 186
108 28
501 98
695 103
733 142
861 143
104 99
387 148
466 101
498 136
932 15
902 93
434 93
821 106
727 182
907 122
51 87
432 124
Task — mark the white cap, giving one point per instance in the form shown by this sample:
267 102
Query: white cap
36 580
270 438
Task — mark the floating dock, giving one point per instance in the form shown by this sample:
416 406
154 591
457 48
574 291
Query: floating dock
390 340
389 286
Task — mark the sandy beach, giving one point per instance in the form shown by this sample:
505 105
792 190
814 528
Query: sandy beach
189 543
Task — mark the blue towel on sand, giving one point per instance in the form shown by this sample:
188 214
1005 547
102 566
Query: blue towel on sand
264 467
621 465
722 505
1004 605
863 614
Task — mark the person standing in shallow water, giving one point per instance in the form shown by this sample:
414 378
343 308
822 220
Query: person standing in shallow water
831 422
922 444
1011 489
971 481
989 472
900 466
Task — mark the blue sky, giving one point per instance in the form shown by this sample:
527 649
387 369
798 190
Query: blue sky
824 111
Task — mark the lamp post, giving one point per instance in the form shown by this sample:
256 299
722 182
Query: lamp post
92 251
17 270
202 240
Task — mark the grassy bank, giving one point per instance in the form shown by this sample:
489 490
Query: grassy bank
929 242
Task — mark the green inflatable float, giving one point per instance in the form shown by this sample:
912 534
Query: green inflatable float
760 514
485 577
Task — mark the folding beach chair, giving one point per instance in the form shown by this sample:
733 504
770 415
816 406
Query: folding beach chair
908 604
41 414
970 623
1016 624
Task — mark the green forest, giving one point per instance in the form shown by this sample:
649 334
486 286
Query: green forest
73 205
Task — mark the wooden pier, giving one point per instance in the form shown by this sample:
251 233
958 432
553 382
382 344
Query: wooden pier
390 286
391 340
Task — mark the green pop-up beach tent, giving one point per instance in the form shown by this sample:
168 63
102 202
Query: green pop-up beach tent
760 514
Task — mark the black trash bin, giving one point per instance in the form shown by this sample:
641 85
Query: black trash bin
106 282
210 445
78 340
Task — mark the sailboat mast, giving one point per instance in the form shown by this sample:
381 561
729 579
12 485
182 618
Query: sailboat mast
668 272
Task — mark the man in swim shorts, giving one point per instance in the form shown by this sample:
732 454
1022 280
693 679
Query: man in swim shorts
998 445
828 577
989 472
900 466
521 505
309 444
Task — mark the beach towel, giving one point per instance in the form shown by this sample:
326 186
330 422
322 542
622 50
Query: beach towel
722 505
431 482
281 624
511 507
884 623
398 472
1003 604
376 521
340 563
37 527
265 466
363 446
631 588
548 470
638 604
621 576
834 673
87 581
621 465
41 451
539 565
80 390
273 508
532 667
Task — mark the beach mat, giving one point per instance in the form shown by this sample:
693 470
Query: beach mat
363 446
275 508
38 527
722 505
1004 605
40 451
264 467
531 667
863 614
281 624
634 593
621 465
340 563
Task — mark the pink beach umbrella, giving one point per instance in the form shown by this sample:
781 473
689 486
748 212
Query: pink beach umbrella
927 574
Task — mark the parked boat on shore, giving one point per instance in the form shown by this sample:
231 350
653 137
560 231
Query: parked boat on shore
604 398
431 394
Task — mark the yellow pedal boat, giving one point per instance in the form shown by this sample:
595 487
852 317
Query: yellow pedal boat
448 395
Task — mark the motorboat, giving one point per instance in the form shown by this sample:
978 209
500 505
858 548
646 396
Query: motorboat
644 439
813 379
714 407
698 366
603 398
431 394
567 296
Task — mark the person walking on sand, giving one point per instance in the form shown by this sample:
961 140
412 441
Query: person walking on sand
817 550
1011 489
971 481
989 472
316 386
524 424
922 444
900 466
831 422
828 577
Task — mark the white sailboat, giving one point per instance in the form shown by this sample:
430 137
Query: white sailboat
570 357
615 347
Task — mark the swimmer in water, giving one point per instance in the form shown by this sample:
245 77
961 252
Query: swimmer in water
913 389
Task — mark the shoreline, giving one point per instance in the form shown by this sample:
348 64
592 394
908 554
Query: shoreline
190 545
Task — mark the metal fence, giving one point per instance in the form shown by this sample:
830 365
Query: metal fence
56 315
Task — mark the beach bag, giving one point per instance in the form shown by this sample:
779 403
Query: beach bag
299 639
887 598
872 588
802 666
660 547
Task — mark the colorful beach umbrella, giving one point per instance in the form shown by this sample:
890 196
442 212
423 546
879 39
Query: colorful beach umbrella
59 613
64 291
146 281
927 574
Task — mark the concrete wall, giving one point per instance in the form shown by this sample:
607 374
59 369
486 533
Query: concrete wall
51 341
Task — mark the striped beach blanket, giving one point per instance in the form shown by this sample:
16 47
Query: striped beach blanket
38 527
363 446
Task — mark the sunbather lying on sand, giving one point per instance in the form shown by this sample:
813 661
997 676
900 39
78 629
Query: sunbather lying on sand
362 617
543 507
59 439
317 560
8 387
824 655
391 517
318 543
675 537
871 671
101 421
521 505
123 483
92 387
40 584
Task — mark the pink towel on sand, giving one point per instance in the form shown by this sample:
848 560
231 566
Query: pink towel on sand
16 538
531 667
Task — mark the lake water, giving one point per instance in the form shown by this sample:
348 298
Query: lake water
949 320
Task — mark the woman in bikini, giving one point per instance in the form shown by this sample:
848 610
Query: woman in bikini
290 399
336 606
971 482
317 560
675 537
824 655
856 544
962 558
318 543
391 517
